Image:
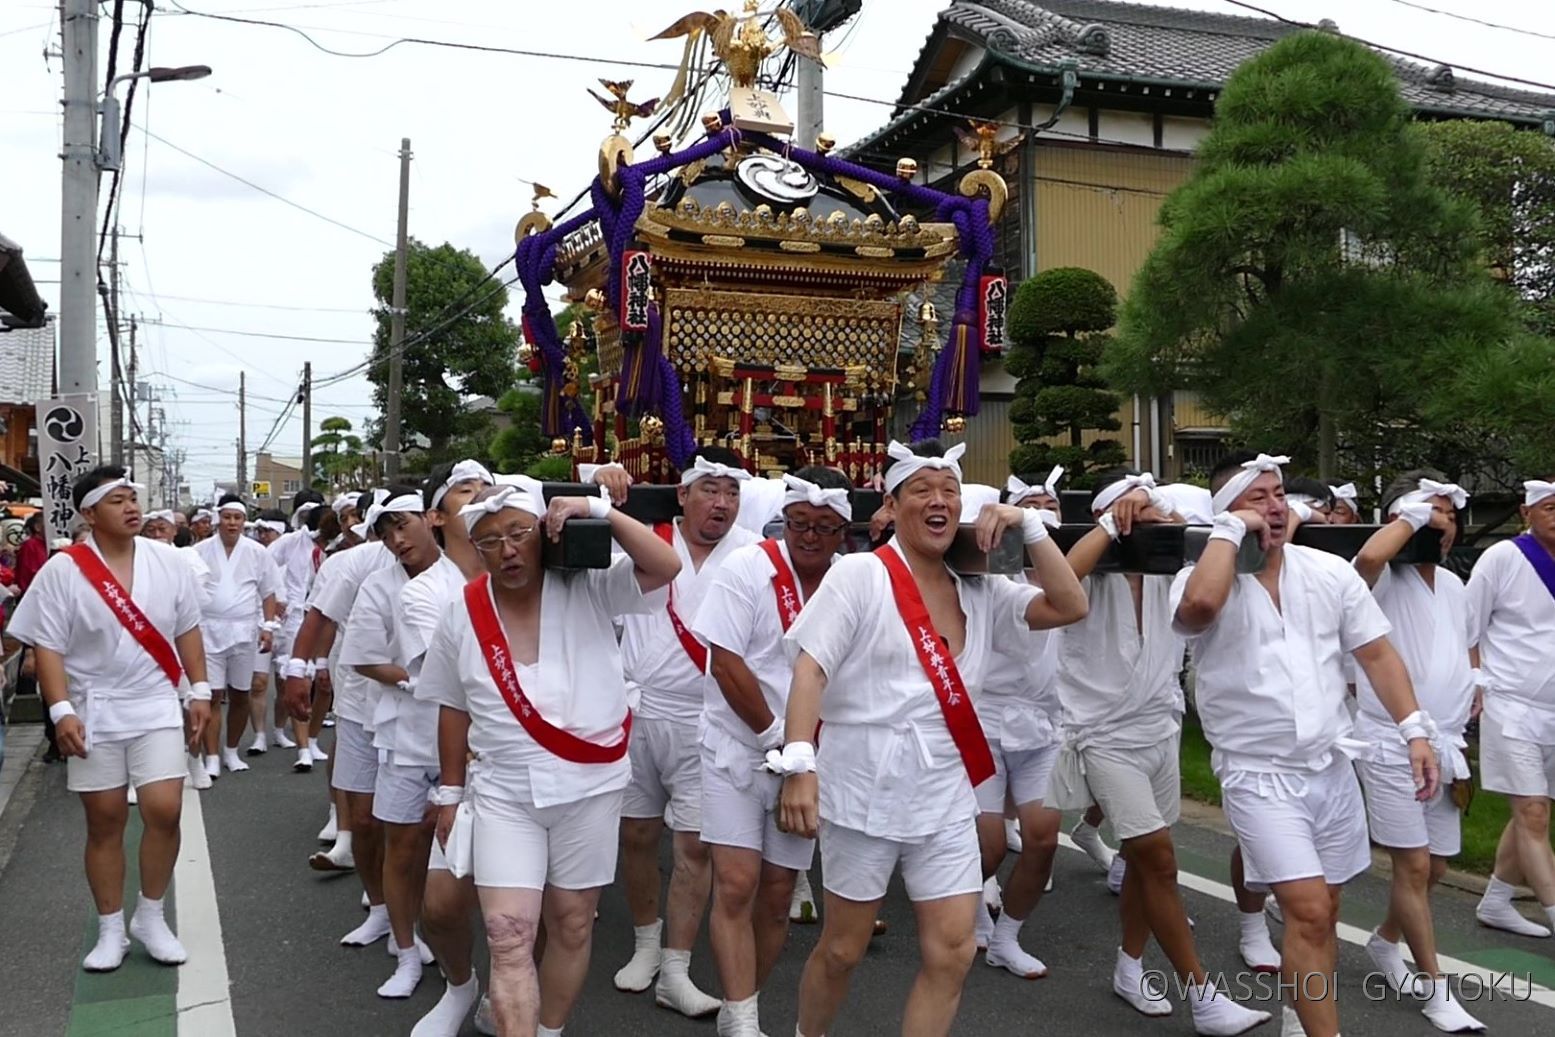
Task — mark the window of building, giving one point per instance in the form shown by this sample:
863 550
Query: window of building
291 485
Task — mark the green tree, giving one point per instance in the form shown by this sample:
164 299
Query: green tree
1057 324
1312 281
337 453
460 343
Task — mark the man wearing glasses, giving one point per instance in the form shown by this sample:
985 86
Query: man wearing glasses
754 597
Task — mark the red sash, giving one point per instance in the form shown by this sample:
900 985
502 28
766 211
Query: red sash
695 649
940 667
783 586
494 647
112 592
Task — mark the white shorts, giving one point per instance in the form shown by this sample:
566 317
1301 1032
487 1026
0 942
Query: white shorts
1025 773
286 635
356 761
231 669
666 774
400 792
1285 836
1397 820
858 867
747 817
138 760
569 846
1140 790
438 860
262 663
1512 766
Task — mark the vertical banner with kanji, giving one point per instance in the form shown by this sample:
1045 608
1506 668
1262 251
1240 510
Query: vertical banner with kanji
67 447
993 299
636 290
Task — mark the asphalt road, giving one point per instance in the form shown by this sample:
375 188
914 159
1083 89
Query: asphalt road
280 926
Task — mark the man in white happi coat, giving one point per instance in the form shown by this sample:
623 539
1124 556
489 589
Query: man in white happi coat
1270 691
889 654
528 676
239 621
1118 680
405 777
1019 711
1512 602
666 669
299 555
1428 609
755 596
114 627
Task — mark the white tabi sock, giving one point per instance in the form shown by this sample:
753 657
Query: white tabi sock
1497 911
337 858
112 944
801 908
1004 950
199 777
447 1016
1258 951
1445 1010
304 761
1385 954
637 975
1128 982
281 739
993 896
316 751
149 926
213 766
1088 838
1115 875
331 827
407 975
676 991
1012 840
739 1019
229 759
371 931
1215 1015
427 957
982 927
546 1031
1290 1023
259 746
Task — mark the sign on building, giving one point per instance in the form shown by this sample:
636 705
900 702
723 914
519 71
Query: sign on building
262 489
67 443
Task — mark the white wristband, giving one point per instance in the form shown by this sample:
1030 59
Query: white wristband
321 665
446 795
270 626
599 507
200 691
1417 725
1229 528
1416 513
796 758
1032 529
295 668
772 737
1478 677
1109 523
1300 509
61 709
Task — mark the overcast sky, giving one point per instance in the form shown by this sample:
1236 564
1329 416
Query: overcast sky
323 131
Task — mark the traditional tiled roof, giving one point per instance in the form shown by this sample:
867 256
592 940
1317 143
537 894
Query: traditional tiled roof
26 364
1107 39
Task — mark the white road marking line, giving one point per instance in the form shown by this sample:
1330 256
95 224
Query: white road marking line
204 994
1488 979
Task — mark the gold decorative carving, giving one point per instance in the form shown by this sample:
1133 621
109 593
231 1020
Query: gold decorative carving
875 251
790 372
986 180
788 401
532 223
865 193
800 246
723 241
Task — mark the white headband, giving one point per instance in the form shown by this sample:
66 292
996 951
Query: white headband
299 513
1109 495
1019 491
1238 483
1347 492
1536 490
802 491
164 516
272 525
343 503
94 496
518 492
908 464
1431 488
409 502
703 468
463 472
203 515
234 505
362 528
1303 498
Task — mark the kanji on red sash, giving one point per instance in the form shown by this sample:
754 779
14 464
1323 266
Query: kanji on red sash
940 667
126 611
695 649
499 660
783 586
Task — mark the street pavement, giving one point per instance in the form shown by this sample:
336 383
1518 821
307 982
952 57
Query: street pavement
277 968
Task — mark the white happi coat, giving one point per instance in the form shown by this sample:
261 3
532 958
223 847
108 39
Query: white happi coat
576 685
370 641
1019 706
339 581
423 602
1118 676
116 688
1431 633
664 682
236 588
1270 685
887 764
1513 617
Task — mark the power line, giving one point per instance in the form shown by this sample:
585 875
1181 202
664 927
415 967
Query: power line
258 334
1475 21
359 310
1393 50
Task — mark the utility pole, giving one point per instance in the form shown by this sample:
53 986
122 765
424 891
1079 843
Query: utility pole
116 376
307 425
130 445
242 430
812 99
78 196
391 416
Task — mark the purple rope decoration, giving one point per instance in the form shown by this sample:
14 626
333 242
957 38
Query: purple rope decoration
534 260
